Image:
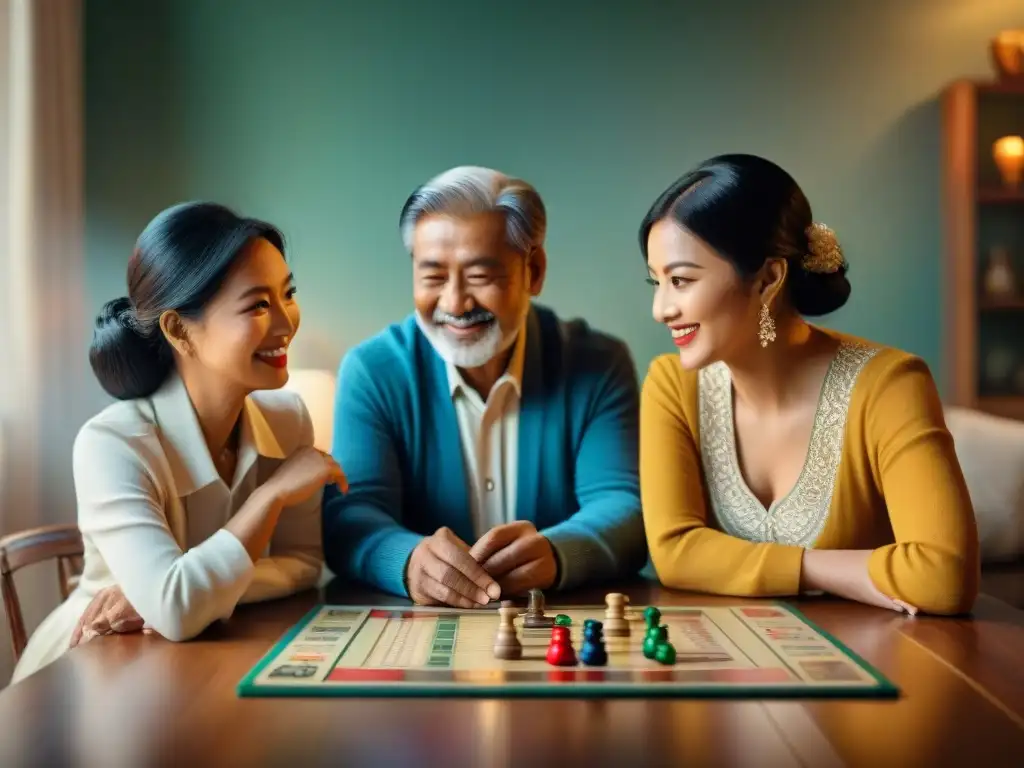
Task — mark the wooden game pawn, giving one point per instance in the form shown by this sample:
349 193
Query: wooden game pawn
535 618
615 624
506 641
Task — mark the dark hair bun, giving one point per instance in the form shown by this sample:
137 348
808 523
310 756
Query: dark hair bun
126 363
818 293
748 209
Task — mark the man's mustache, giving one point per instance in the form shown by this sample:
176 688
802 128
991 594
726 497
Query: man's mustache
474 316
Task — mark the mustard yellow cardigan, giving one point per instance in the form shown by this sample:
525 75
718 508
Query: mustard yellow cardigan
881 474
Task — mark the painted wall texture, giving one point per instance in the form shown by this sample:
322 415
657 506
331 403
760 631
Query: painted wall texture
323 116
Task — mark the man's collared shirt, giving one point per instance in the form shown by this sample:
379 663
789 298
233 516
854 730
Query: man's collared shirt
489 433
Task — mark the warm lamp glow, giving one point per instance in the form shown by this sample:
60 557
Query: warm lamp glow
1009 156
316 388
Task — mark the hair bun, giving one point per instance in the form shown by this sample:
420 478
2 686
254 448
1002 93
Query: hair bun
820 285
126 363
118 311
818 293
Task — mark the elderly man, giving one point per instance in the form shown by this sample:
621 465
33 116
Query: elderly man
490 447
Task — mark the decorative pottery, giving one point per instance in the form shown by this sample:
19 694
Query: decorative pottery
1000 282
999 364
1007 50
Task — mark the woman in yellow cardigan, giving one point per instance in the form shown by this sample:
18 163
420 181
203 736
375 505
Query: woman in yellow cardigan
777 457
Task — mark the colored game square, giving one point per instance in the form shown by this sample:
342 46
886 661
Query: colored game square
306 656
763 613
357 675
832 671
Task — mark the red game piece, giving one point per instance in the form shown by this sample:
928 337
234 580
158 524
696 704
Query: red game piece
560 651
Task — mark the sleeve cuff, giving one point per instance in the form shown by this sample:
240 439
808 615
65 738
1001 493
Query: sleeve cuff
229 571
573 555
389 559
782 570
879 570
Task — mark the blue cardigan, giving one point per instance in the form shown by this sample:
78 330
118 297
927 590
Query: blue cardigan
397 439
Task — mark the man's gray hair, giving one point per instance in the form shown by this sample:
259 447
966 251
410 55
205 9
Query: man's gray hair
470 190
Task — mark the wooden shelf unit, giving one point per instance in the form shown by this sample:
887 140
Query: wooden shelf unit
1014 87
997 195
1011 304
971 193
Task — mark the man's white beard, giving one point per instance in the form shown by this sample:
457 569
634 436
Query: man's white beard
465 353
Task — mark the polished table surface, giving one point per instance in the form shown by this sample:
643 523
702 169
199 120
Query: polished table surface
139 701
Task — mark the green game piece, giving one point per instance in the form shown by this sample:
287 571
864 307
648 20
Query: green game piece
666 653
652 616
561 620
655 636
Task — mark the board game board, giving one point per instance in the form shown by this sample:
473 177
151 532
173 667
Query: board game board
758 650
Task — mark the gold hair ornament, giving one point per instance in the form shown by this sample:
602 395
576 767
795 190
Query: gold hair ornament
824 254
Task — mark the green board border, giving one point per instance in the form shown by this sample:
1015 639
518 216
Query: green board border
248 688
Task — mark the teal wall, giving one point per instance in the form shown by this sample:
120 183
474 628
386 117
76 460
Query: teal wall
323 116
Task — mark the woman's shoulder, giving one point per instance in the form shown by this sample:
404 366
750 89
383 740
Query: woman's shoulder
886 375
878 362
123 431
286 415
282 404
670 386
666 369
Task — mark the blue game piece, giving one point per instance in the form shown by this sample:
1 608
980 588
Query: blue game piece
593 652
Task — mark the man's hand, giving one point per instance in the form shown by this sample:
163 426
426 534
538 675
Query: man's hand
517 556
844 573
108 613
441 571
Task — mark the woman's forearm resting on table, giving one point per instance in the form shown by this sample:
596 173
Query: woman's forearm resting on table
706 560
184 592
929 577
180 591
930 582
702 559
281 575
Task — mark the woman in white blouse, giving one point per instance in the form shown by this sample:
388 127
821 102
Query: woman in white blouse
200 489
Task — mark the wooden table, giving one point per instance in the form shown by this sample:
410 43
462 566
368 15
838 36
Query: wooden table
141 701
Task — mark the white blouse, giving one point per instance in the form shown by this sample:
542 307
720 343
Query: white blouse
152 510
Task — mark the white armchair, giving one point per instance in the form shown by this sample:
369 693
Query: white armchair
991 453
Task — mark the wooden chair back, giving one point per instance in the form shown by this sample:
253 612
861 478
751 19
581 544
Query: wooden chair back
18 550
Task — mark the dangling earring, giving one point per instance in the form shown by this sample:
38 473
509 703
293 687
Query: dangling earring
766 327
